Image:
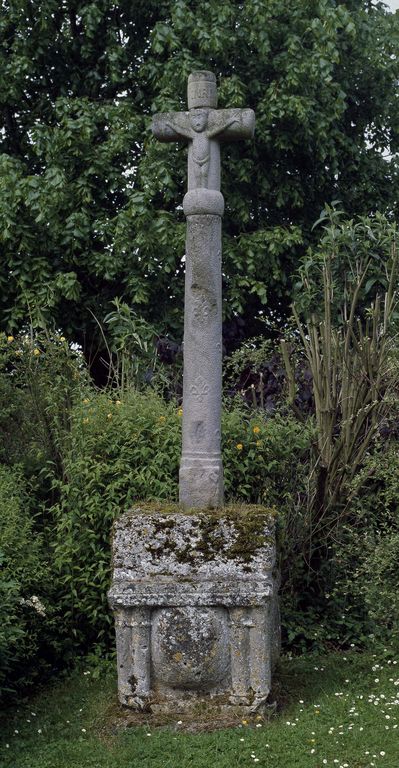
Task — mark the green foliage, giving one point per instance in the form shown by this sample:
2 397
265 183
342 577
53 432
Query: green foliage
349 296
39 379
131 345
347 320
366 554
22 613
265 459
87 198
120 450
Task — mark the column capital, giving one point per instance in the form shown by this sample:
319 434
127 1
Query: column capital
203 201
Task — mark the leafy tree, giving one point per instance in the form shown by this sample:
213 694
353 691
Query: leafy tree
88 198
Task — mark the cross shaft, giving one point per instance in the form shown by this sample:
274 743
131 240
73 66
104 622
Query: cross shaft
203 127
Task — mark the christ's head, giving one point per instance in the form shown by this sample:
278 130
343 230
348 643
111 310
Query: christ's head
198 119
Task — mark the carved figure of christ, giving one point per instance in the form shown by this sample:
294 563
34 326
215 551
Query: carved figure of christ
197 129
203 129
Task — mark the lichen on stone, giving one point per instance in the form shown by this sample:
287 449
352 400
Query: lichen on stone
236 531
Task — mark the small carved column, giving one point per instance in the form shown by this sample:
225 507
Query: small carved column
250 655
133 628
203 127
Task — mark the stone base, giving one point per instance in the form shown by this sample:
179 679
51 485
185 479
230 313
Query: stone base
196 609
201 483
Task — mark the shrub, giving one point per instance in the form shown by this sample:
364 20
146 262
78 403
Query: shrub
119 451
22 605
348 298
40 377
367 557
265 458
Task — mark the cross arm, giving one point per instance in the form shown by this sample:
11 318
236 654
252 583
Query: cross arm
171 126
231 124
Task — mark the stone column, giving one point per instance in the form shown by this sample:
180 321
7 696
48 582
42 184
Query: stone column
201 472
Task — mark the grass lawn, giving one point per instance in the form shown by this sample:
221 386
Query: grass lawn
339 710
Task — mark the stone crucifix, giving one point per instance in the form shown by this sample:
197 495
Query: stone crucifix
203 127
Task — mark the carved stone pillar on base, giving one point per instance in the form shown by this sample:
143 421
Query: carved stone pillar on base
195 601
194 589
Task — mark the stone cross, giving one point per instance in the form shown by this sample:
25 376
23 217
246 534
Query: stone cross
203 127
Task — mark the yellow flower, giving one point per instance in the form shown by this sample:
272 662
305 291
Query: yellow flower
180 412
36 351
256 430
10 339
86 401
244 722
239 446
85 421
162 419
109 415
259 443
118 402
62 338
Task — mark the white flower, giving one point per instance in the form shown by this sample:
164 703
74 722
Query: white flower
35 603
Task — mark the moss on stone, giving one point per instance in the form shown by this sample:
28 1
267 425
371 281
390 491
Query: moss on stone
249 522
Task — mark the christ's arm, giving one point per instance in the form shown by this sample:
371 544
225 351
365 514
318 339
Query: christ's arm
219 128
181 130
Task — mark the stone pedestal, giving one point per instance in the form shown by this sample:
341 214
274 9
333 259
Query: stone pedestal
196 608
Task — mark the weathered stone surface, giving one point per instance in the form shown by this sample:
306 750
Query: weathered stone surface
195 602
203 128
201 90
